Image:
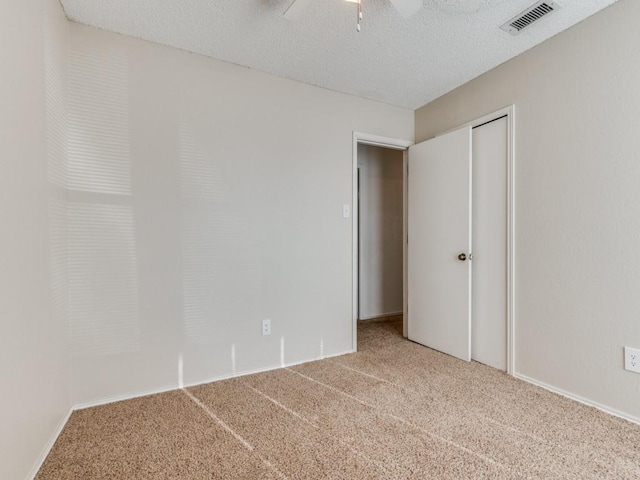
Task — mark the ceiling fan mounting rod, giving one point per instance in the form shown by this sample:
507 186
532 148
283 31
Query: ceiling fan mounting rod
359 14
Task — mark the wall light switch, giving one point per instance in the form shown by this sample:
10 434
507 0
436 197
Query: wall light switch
346 211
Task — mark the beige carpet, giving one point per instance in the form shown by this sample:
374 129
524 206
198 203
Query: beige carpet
394 410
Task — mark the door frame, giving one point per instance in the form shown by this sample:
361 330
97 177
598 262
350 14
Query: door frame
394 144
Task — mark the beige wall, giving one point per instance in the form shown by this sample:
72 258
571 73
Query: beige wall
203 198
34 366
577 100
381 222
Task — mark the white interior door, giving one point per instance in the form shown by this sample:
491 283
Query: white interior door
439 224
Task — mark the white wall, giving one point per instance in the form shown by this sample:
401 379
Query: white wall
381 219
34 364
578 220
204 197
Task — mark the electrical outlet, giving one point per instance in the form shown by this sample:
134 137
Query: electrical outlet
266 327
632 359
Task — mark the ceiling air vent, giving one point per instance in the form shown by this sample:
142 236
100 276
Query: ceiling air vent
529 16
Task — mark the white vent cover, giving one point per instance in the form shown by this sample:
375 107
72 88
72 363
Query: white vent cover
530 15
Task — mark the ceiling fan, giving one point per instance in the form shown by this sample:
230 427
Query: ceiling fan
406 8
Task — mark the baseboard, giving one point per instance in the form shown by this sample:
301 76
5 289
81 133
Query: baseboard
381 315
266 369
120 398
126 396
45 452
578 398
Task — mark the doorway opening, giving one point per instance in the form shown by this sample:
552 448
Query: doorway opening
379 229
380 232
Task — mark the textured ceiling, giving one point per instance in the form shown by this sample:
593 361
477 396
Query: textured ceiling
403 62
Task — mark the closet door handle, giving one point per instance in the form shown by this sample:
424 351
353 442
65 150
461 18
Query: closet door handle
462 257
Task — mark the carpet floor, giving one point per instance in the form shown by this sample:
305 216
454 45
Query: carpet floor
394 410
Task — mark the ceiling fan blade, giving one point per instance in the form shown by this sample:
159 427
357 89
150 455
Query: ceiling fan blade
407 7
296 9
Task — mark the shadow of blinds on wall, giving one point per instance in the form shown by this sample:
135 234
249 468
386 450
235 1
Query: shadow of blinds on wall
103 278
221 274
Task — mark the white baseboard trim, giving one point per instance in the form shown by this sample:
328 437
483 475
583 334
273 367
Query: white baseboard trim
578 398
381 315
266 369
127 396
52 440
169 388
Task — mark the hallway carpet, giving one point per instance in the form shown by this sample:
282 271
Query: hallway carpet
394 410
